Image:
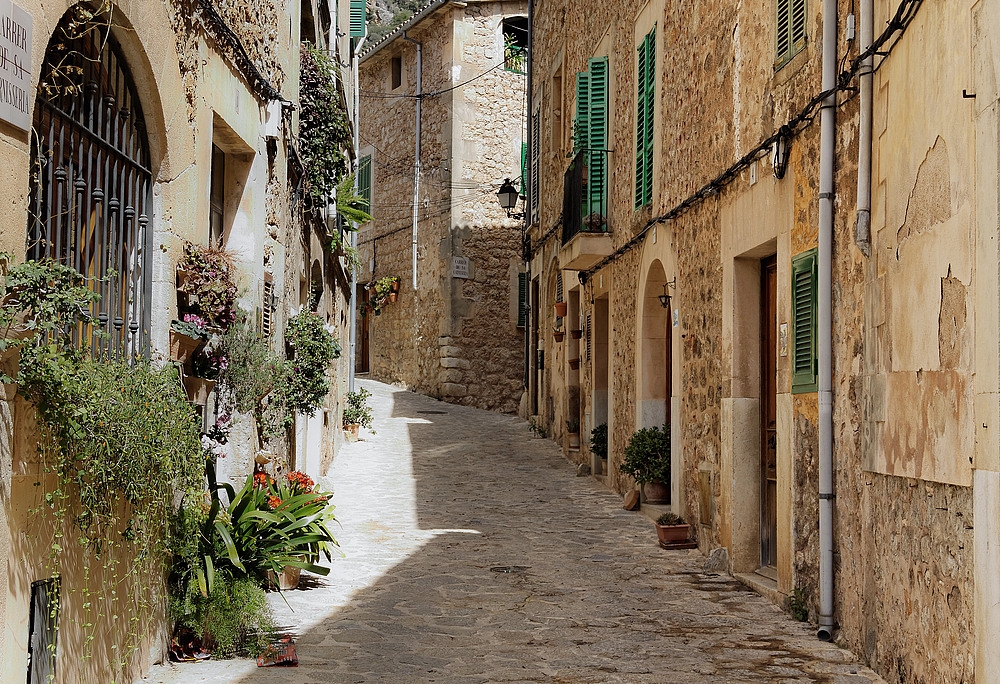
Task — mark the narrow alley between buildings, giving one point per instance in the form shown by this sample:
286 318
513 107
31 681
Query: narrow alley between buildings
472 553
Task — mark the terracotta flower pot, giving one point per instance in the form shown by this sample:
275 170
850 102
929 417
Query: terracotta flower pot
198 389
395 286
561 309
557 335
288 579
351 431
183 347
392 295
574 364
672 533
576 334
656 493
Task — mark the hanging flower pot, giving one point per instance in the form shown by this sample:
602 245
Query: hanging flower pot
392 296
558 335
561 309
576 334
395 284
198 389
184 347
574 364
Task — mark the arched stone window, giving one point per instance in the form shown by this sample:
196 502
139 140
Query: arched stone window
91 183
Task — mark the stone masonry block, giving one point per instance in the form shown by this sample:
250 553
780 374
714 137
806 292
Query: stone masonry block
456 363
450 389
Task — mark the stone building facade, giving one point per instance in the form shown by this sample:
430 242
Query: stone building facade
209 81
697 293
453 331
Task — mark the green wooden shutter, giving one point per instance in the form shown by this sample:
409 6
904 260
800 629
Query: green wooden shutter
365 180
359 18
804 322
536 144
797 25
783 46
640 125
597 176
524 169
581 123
650 117
522 300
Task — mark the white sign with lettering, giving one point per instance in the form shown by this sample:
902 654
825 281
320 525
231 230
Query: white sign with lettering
460 267
15 65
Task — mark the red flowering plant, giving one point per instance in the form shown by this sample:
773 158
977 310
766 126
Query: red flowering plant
271 524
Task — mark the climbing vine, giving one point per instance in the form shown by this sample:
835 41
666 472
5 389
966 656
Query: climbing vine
325 131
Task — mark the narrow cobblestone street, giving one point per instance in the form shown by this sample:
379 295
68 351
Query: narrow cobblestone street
442 498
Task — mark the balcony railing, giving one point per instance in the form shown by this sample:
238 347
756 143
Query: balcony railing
585 194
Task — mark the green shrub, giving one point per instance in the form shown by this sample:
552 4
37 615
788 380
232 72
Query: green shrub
233 621
357 409
670 519
253 369
647 456
599 440
305 383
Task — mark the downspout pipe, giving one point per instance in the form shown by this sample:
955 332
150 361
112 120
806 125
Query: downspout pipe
416 164
863 231
824 323
353 316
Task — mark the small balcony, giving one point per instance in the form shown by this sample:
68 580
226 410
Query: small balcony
586 237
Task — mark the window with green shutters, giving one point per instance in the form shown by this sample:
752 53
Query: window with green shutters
522 300
803 338
535 144
644 119
790 29
590 131
365 180
359 18
524 169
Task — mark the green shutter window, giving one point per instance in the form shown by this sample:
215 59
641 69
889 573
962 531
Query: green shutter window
522 300
790 29
365 180
645 119
804 323
535 144
524 169
359 18
581 123
597 131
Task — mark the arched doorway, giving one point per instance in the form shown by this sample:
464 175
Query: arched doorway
91 187
656 352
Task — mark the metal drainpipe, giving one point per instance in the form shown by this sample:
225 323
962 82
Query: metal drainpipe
353 316
824 323
863 234
416 166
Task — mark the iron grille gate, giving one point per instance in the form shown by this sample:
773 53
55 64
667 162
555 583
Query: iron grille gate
91 184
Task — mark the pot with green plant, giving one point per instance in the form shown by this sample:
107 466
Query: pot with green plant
386 289
206 286
671 528
647 461
357 413
187 338
599 441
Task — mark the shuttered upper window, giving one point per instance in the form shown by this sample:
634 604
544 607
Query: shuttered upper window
535 143
365 180
790 28
359 18
804 322
644 119
590 131
522 300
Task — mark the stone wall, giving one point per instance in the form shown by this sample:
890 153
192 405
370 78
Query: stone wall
454 338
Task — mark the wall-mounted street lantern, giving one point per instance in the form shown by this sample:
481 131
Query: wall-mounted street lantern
665 298
508 196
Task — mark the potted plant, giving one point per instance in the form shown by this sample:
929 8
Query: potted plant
187 338
573 429
647 460
386 289
198 389
576 334
671 528
357 413
558 334
205 283
599 441
561 309
574 364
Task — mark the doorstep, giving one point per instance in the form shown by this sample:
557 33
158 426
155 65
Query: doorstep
765 586
654 511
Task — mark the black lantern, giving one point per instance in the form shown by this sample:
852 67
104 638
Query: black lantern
664 298
508 194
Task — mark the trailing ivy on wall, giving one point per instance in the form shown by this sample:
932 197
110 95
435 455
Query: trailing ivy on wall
313 349
324 129
116 439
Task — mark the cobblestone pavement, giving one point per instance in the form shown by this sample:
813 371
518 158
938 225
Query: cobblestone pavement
440 499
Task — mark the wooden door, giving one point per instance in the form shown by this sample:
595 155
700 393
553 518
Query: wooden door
768 413
362 351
